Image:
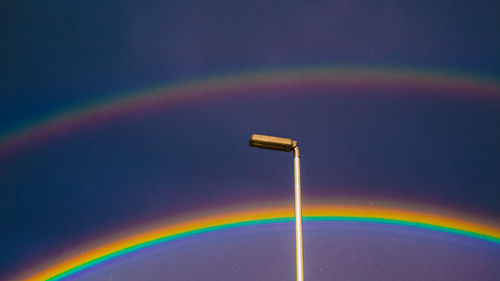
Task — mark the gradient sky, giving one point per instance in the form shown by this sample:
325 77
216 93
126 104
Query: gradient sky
374 144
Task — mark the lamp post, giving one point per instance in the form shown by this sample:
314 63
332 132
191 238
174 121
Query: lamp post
288 145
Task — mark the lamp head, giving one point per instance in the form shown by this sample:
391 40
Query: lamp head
273 143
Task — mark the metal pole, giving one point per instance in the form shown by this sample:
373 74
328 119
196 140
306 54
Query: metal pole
299 254
288 145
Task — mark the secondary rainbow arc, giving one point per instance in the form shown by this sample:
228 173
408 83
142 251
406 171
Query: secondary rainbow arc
94 255
362 79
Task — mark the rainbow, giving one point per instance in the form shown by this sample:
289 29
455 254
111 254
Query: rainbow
338 79
113 247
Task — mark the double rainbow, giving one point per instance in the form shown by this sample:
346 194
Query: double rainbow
331 79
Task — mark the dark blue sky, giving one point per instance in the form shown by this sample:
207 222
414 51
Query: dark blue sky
414 147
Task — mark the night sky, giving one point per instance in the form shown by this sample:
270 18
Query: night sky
418 145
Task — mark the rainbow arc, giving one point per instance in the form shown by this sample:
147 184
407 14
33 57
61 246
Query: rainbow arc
106 250
335 80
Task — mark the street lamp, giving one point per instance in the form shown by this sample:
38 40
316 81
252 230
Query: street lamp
288 145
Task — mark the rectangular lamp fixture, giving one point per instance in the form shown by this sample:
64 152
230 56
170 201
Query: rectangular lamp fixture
274 143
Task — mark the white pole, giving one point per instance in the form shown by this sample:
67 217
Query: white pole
298 217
